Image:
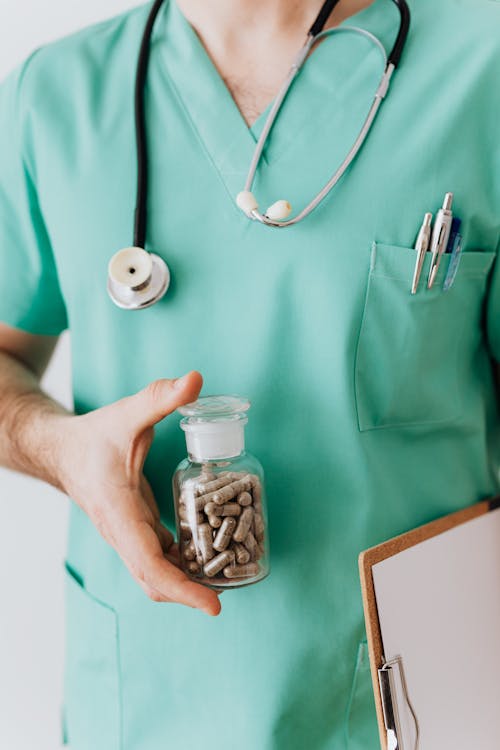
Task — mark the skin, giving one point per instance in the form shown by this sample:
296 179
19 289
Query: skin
252 43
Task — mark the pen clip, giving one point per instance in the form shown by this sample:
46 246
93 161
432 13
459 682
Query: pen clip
421 247
440 237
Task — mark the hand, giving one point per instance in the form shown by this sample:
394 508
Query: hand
104 454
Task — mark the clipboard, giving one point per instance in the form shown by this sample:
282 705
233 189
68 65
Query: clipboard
431 600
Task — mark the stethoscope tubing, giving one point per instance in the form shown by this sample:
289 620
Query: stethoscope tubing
140 216
380 93
314 35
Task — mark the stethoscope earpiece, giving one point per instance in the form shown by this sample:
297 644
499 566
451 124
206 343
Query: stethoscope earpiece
278 211
136 278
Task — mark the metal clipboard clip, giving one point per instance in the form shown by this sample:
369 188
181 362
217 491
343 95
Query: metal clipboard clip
388 694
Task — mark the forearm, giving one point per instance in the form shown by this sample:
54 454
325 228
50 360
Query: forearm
31 424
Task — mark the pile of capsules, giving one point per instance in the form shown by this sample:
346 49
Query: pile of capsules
221 526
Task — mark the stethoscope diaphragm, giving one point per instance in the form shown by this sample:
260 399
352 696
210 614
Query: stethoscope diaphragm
137 278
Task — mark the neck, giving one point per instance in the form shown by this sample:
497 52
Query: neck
252 42
284 16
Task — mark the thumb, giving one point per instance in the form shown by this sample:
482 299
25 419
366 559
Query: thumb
158 399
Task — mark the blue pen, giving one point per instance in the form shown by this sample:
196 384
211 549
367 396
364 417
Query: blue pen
454 249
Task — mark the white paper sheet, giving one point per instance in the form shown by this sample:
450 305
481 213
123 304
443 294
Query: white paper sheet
439 609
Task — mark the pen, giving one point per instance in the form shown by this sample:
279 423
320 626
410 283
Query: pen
455 229
440 236
421 247
456 249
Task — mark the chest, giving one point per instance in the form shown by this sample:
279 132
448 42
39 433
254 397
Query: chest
298 295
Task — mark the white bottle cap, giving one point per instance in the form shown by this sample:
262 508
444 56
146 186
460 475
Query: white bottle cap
215 427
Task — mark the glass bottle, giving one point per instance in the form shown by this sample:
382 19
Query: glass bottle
219 497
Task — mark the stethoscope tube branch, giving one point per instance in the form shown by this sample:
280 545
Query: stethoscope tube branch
140 218
324 14
395 55
404 27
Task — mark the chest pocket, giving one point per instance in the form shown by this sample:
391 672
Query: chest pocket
412 349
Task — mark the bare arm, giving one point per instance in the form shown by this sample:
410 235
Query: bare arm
29 420
98 459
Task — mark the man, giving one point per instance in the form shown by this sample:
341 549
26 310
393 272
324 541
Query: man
373 410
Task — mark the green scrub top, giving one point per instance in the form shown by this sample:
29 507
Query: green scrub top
373 410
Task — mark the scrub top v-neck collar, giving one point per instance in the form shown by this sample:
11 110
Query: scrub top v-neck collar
206 100
214 115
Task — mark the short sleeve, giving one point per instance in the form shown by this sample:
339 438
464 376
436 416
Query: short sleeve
30 295
493 310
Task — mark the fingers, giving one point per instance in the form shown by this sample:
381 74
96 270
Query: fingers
142 552
164 535
157 400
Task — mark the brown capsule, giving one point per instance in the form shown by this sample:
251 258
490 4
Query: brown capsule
225 533
251 544
207 475
232 490
244 499
193 567
192 504
258 527
185 530
201 502
230 509
215 521
191 517
189 551
206 488
212 509
256 489
244 525
205 542
241 552
217 563
241 571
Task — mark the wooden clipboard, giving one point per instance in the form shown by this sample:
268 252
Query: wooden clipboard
381 552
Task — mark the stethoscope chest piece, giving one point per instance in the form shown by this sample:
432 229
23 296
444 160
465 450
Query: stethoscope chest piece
136 278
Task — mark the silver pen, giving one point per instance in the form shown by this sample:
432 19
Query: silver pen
421 247
440 236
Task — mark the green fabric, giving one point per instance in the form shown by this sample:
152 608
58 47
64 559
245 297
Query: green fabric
30 294
372 411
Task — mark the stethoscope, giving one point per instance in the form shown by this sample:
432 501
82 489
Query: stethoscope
138 278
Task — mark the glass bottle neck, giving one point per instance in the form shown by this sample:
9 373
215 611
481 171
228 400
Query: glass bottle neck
211 441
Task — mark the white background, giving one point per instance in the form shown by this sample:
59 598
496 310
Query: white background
33 516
